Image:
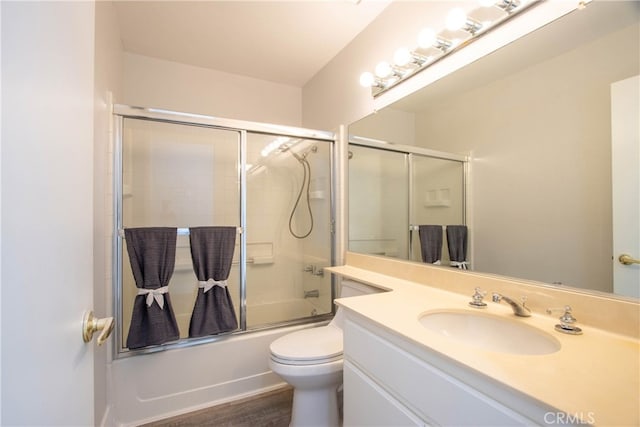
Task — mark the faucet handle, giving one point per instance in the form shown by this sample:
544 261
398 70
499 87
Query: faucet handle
477 297
567 321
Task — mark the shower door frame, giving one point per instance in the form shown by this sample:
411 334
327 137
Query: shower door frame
410 151
121 112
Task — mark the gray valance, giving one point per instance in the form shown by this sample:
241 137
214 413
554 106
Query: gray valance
152 253
212 254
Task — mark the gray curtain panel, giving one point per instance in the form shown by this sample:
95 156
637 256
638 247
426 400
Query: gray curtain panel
212 253
152 253
430 243
457 242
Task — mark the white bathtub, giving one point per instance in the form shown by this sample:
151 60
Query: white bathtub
154 386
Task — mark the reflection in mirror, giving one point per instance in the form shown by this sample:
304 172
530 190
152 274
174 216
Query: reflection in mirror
395 189
535 117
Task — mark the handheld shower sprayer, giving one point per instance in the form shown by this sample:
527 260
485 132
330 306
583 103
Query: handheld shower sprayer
306 179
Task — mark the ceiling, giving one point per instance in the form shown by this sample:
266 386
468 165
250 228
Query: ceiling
285 42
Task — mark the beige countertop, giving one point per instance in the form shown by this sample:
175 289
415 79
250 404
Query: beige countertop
595 375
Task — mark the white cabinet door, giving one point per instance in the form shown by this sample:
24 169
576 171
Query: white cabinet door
423 388
366 404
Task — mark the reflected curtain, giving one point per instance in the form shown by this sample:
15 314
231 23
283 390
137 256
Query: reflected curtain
431 243
212 254
152 253
457 243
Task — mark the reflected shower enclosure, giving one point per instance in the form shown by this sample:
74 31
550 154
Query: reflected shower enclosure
275 188
393 189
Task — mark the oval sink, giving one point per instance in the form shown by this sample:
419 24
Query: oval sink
490 332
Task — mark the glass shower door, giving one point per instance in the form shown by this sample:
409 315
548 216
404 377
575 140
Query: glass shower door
378 202
288 230
437 198
178 176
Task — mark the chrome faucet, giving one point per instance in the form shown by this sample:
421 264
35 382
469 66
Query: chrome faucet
518 309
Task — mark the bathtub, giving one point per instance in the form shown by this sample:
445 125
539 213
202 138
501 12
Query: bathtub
154 386
172 382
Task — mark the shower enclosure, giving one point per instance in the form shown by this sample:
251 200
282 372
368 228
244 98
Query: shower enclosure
272 183
395 188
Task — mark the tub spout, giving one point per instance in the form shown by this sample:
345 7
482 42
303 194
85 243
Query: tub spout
312 293
518 309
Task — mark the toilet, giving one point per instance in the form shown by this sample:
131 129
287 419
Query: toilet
310 361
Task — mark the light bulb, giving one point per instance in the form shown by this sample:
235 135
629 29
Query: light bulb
367 79
402 57
383 69
426 38
456 19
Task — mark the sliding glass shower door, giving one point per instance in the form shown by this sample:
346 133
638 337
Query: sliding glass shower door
394 189
378 202
437 194
270 185
288 228
178 176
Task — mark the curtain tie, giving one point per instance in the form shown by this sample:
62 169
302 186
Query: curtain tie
207 285
154 294
460 264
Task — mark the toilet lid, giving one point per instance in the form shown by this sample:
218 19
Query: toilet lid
309 345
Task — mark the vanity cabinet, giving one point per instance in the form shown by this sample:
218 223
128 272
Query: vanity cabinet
389 383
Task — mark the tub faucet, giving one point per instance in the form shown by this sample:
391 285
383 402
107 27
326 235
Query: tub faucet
314 293
518 309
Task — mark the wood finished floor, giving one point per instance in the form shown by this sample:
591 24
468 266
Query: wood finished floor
272 409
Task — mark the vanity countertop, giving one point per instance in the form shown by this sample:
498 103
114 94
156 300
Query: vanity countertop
595 375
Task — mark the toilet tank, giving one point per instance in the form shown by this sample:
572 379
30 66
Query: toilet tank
351 288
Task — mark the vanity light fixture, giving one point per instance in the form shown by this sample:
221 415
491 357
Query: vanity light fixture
428 38
457 19
367 79
385 70
403 57
508 5
434 46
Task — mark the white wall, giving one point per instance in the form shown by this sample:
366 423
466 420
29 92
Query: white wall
389 125
150 82
546 128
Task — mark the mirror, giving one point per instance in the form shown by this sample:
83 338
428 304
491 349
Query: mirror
535 119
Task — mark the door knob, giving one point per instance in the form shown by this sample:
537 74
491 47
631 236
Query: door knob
91 324
627 260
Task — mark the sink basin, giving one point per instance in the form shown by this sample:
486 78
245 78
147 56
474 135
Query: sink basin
490 332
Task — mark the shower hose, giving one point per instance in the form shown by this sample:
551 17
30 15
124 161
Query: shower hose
305 185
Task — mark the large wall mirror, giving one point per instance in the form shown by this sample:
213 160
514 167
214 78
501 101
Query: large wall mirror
535 118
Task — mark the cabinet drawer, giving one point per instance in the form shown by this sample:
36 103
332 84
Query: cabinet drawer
425 390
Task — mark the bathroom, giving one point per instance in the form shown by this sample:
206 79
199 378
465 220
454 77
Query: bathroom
328 100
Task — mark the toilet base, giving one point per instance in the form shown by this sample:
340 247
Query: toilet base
305 411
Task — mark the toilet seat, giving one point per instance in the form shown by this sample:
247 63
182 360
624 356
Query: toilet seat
308 347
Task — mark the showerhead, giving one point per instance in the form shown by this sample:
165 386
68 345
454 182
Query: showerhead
300 157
